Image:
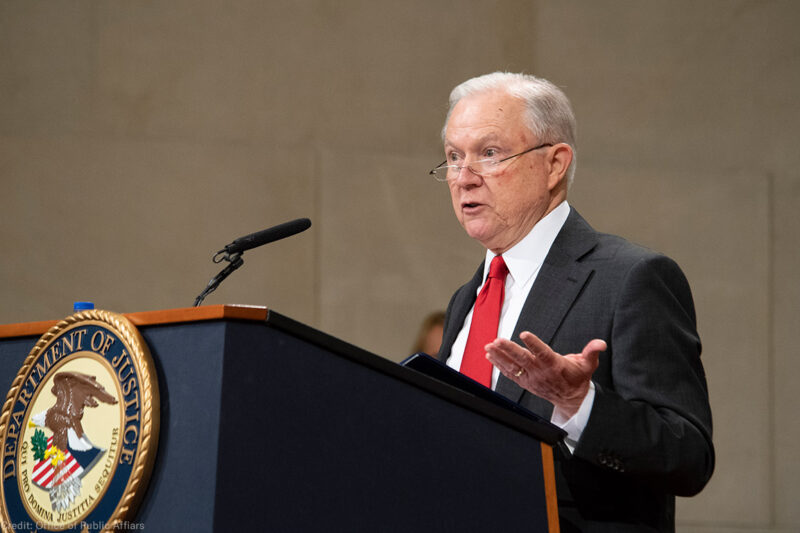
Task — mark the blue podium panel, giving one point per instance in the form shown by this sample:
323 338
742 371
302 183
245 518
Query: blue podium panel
273 426
13 352
311 441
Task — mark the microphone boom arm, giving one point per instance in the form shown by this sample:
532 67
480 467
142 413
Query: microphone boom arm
235 261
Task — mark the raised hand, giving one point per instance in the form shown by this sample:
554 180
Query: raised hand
563 380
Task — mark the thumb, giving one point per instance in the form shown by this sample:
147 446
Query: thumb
592 350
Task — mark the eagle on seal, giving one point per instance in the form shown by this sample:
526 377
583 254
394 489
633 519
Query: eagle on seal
73 391
75 453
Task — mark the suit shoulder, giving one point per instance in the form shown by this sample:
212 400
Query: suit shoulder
580 241
639 269
621 252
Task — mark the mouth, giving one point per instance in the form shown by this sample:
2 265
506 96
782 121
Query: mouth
470 205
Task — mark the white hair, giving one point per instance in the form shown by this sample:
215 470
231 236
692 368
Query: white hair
548 113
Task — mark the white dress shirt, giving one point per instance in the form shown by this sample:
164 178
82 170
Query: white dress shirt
524 260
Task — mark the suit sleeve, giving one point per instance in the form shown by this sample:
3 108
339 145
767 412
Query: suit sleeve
651 417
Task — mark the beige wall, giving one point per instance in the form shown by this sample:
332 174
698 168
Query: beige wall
137 138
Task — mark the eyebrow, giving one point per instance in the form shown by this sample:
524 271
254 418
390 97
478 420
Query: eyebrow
488 139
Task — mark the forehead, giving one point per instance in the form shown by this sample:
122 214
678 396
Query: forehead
485 116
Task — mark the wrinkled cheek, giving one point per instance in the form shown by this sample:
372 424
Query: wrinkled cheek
459 214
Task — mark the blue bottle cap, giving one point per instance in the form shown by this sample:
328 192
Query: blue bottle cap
82 306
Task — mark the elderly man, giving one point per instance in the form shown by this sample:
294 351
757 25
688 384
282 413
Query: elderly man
583 328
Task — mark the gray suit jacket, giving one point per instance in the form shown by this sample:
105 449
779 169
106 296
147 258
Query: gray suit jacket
649 433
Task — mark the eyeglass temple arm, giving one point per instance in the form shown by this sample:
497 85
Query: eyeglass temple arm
433 171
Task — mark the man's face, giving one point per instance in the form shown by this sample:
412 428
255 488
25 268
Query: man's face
497 210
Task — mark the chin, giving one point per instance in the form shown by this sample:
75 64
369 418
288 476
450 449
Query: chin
479 229
475 231
486 240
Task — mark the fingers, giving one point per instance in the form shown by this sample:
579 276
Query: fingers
507 368
539 349
509 357
509 352
544 353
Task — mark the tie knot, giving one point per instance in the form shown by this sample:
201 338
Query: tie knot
498 268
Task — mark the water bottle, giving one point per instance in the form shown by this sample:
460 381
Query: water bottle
82 306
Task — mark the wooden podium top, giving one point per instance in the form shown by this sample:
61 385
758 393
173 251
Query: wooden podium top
150 318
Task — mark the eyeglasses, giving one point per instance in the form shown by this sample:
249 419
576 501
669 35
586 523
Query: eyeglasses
483 167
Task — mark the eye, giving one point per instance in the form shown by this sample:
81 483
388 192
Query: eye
453 158
491 153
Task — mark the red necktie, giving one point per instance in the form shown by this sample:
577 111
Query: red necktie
485 319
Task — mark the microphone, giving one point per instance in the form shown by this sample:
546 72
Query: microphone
259 238
232 253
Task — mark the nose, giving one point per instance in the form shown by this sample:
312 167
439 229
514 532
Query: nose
466 176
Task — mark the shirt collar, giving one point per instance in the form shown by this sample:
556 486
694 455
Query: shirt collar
526 257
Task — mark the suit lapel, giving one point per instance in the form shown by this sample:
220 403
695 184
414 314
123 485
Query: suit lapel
462 302
557 285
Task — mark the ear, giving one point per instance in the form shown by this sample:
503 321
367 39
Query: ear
558 161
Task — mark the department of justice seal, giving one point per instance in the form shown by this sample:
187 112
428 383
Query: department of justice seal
79 428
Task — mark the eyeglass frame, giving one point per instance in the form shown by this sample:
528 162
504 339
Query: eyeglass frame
444 164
